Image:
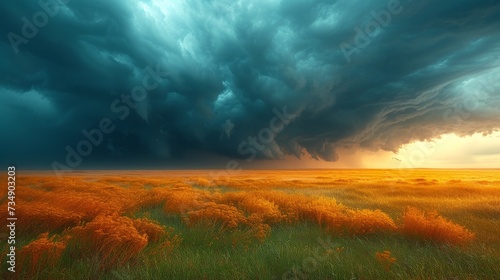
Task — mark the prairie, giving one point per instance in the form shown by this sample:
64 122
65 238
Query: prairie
256 224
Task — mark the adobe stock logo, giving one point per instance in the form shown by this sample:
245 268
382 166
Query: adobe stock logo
363 36
122 107
258 143
30 28
266 135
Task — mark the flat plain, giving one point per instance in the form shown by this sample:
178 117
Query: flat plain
256 224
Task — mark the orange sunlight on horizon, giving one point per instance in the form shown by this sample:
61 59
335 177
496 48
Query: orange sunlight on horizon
452 151
448 151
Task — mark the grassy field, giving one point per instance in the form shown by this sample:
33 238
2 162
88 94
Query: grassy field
293 224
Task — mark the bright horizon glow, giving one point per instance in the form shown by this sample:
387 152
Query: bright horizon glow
448 151
452 151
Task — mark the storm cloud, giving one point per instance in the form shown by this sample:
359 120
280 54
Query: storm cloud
214 79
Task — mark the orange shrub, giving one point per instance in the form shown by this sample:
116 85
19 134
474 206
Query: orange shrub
318 208
168 244
151 228
37 217
88 205
92 198
231 198
154 197
288 204
258 229
113 238
369 221
334 216
431 226
268 211
182 200
336 222
214 213
40 253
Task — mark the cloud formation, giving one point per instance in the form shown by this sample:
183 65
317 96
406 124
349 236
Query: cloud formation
425 70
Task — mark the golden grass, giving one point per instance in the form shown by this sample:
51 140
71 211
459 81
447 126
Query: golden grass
114 239
94 209
40 253
431 226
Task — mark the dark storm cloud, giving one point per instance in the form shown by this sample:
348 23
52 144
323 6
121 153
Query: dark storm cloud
430 68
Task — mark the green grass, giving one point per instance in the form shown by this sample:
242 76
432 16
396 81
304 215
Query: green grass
301 250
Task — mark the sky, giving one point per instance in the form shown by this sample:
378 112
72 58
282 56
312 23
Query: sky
250 84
